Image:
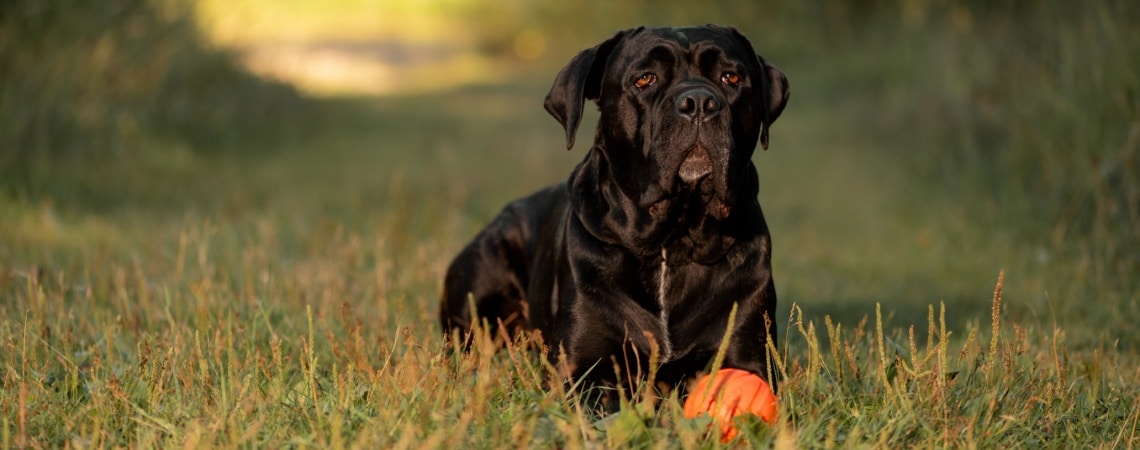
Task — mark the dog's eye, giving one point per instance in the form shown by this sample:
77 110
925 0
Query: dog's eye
645 80
730 78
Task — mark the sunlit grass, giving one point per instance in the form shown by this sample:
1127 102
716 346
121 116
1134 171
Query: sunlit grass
236 344
356 47
248 22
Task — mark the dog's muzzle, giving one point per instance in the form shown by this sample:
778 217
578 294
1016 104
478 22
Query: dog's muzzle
697 104
695 166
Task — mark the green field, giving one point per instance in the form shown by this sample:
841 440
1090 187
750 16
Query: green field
955 231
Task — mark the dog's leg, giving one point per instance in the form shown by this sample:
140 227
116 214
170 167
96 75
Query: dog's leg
748 346
491 274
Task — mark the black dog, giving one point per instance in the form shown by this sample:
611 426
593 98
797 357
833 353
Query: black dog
658 232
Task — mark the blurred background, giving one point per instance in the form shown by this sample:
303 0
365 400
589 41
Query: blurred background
927 145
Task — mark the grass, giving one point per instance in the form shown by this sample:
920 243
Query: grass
277 292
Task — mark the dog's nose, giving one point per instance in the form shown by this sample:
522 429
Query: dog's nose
695 166
697 104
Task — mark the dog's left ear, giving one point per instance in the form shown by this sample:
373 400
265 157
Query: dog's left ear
771 100
579 81
776 97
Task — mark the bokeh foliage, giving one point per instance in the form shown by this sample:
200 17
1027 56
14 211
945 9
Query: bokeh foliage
88 84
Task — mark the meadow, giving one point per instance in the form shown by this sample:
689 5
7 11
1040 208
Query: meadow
953 204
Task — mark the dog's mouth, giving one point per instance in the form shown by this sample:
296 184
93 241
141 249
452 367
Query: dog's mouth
696 166
695 187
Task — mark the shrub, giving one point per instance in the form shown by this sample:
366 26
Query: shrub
84 82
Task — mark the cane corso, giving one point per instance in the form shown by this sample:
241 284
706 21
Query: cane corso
657 233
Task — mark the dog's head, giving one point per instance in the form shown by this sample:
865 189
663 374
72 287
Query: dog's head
682 110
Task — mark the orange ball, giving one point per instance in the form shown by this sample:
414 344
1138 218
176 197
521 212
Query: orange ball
731 393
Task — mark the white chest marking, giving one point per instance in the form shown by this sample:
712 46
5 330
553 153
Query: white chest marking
666 347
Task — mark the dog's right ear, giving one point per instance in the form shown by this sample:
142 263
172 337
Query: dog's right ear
579 81
777 96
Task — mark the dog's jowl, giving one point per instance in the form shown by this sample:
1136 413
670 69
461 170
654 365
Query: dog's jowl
657 233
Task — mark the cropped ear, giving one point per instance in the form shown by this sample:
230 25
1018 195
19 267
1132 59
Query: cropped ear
579 81
777 97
